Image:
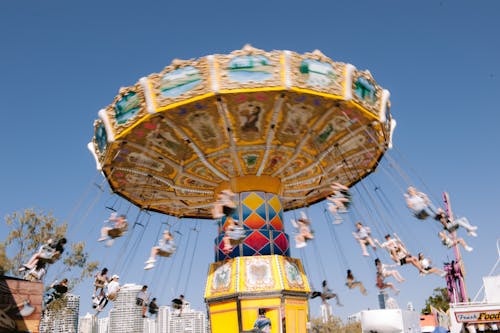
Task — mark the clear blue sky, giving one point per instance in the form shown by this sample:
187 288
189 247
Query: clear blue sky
61 61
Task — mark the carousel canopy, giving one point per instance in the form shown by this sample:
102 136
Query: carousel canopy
278 122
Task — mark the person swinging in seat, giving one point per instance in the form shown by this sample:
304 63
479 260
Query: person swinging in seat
112 290
58 291
166 247
363 236
100 281
452 225
426 265
339 201
419 203
449 242
303 226
381 284
233 235
37 273
178 304
399 253
422 208
326 294
225 205
118 227
352 283
385 272
48 253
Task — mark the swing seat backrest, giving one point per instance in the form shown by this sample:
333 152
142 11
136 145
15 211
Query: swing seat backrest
237 234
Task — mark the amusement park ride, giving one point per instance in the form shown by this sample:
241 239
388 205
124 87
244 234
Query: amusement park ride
276 128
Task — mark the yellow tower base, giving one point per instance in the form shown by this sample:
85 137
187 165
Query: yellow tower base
237 288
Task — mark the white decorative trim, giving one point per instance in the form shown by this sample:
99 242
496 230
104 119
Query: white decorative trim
222 109
213 74
90 146
288 82
393 126
147 95
280 272
383 107
165 181
349 70
237 275
270 136
109 130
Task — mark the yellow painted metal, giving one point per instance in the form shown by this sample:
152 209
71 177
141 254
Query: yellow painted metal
224 317
252 183
229 126
296 314
275 283
316 93
250 90
221 279
187 101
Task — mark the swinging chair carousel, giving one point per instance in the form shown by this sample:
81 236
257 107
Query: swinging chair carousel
276 128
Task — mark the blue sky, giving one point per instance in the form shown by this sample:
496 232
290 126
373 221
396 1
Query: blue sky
60 62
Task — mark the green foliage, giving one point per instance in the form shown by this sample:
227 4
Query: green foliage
334 325
439 299
28 230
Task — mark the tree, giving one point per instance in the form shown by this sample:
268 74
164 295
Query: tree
439 299
334 325
29 229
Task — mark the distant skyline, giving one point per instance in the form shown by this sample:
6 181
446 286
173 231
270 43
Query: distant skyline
62 62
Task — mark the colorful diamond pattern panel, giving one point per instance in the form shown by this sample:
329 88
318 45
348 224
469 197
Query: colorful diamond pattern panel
257 242
261 214
255 221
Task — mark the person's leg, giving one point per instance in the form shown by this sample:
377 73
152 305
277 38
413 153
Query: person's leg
414 261
227 242
33 260
397 276
371 243
464 223
437 271
462 242
104 233
362 243
300 241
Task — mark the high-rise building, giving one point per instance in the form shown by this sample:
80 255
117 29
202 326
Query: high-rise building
126 316
192 321
382 299
103 325
64 319
87 324
149 325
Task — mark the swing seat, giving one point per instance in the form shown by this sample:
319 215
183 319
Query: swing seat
99 283
117 232
176 304
166 252
237 235
228 211
450 227
51 259
30 277
421 215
